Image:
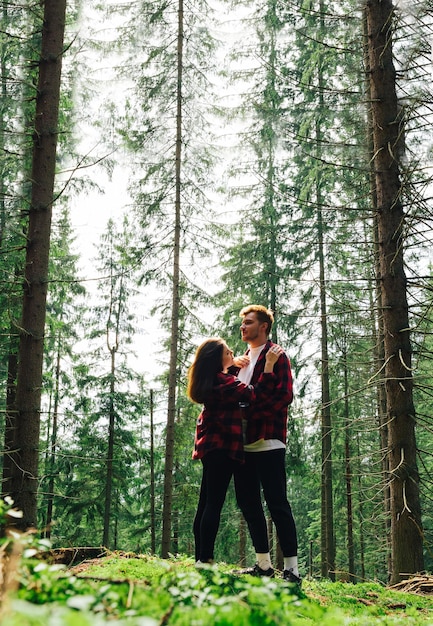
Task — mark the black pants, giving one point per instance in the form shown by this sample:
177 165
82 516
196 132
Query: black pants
266 470
218 469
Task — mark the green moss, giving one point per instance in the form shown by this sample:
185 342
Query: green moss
142 590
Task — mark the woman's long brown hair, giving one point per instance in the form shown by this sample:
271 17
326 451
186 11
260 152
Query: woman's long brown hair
207 363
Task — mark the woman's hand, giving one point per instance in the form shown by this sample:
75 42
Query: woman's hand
241 361
272 356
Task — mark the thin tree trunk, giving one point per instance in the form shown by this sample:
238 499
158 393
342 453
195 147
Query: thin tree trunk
52 454
31 349
405 508
327 542
175 520
174 340
242 541
114 314
152 480
4 96
10 417
348 473
361 517
270 193
116 523
110 453
327 512
271 537
310 560
279 557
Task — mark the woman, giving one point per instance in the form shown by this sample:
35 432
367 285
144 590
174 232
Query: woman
218 439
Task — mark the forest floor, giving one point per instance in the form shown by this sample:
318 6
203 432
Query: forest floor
89 587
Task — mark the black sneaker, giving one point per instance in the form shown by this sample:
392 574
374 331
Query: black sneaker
256 571
291 577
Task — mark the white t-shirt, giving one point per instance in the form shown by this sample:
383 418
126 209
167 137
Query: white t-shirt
245 374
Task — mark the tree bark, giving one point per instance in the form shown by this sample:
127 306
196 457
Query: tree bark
348 472
376 310
24 481
10 416
327 505
405 509
174 341
110 448
242 541
51 461
152 479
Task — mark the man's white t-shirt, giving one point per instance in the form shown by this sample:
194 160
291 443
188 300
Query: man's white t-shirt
245 374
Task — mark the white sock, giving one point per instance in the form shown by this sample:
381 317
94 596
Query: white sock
263 560
291 563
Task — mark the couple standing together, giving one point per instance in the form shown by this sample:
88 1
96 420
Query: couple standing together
241 432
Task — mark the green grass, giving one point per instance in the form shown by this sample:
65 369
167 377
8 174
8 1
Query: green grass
147 591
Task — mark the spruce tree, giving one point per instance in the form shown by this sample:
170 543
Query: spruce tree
166 135
30 356
406 526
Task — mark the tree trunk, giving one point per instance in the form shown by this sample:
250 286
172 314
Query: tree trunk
242 541
376 309
30 357
327 513
348 473
175 519
327 506
406 528
4 96
174 340
152 480
52 454
110 451
10 417
361 516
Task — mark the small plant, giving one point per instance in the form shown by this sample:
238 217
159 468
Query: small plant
7 510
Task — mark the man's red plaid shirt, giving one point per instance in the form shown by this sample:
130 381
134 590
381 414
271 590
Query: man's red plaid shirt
267 417
219 425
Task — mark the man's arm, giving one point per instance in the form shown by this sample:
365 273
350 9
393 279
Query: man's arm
284 386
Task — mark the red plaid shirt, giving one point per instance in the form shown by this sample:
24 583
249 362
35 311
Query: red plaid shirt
219 425
267 417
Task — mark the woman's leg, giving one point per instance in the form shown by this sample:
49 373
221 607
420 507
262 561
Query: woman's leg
199 513
218 469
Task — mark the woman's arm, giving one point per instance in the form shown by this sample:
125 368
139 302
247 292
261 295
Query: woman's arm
272 356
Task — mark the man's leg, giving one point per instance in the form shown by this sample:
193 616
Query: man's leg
248 496
272 472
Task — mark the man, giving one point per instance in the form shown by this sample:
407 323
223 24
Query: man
265 438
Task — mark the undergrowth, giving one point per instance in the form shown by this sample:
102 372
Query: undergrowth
147 591
142 590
